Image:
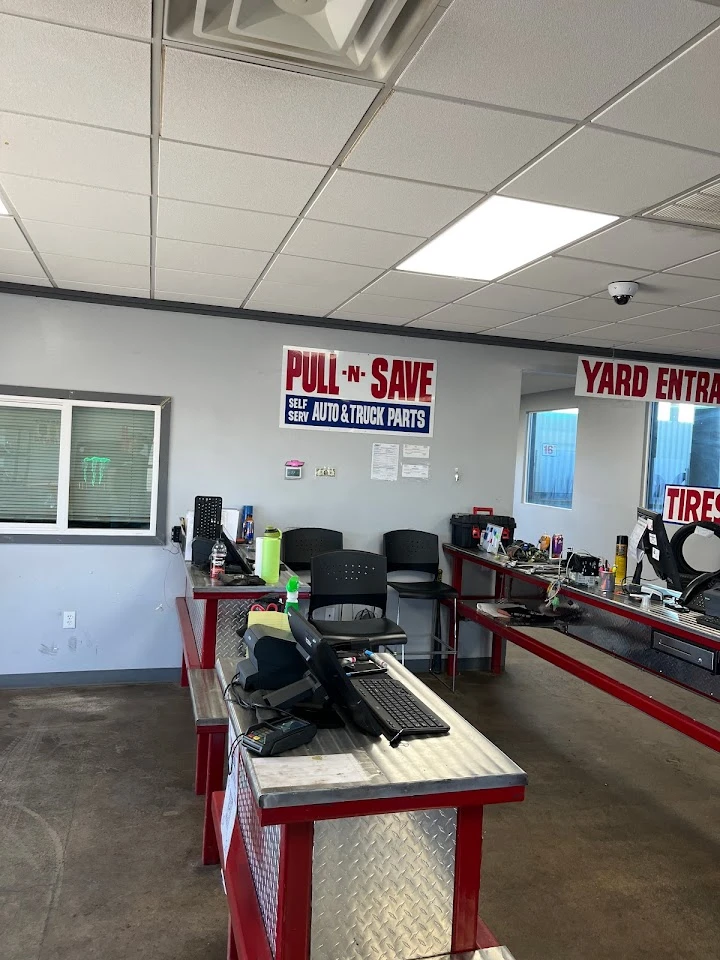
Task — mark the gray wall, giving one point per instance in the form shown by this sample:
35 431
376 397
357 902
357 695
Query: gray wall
224 378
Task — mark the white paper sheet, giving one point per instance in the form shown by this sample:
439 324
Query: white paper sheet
229 811
313 771
416 451
416 471
635 552
385 461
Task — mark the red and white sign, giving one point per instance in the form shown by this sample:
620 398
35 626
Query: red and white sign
648 382
357 392
691 504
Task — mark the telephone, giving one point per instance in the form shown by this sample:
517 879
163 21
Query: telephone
693 597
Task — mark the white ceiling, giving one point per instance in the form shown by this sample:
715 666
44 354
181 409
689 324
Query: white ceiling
142 168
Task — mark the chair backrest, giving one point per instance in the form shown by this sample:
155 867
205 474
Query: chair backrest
300 545
412 550
348 576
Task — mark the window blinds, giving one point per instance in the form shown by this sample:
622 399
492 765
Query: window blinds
29 457
111 467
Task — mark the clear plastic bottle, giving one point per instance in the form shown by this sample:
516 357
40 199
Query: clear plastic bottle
218 555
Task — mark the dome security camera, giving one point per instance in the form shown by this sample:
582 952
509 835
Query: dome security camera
622 291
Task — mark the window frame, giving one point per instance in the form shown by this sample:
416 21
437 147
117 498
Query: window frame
529 430
60 532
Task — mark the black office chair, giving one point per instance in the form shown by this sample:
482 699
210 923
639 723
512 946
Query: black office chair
300 545
359 578
418 552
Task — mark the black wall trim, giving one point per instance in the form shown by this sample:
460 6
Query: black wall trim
79 678
328 323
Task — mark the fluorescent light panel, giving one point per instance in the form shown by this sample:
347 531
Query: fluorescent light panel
500 235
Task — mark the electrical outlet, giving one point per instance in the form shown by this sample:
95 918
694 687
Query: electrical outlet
329 471
319 471
68 620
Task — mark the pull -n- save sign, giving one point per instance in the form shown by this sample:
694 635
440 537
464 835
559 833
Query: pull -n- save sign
363 392
631 380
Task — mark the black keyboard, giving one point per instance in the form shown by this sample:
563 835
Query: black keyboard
713 622
398 710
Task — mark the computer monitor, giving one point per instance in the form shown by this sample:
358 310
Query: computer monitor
654 543
324 665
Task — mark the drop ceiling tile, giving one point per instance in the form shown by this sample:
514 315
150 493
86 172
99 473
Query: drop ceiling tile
201 285
381 203
623 333
422 286
417 137
203 223
389 306
22 263
474 318
31 281
368 318
701 342
680 318
647 243
296 298
612 173
52 150
673 344
67 74
545 326
130 18
305 270
142 292
280 113
97 271
209 258
603 309
11 237
703 267
238 180
564 58
690 83
76 205
572 276
334 241
674 290
81 242
503 296
190 298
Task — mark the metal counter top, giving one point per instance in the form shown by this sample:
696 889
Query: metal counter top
621 604
461 760
203 586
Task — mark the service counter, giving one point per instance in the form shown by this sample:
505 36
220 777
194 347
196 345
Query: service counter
660 641
210 613
350 849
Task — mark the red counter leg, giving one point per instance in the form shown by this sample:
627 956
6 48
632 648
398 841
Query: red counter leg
294 892
207 657
201 754
468 858
183 671
232 950
496 654
217 746
457 573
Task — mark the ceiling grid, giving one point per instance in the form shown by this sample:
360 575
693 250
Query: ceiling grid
137 162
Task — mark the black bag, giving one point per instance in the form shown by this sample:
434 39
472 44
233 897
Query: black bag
466 528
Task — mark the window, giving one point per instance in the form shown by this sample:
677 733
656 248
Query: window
684 448
551 457
82 467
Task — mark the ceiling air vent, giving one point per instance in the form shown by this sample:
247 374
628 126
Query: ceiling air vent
701 208
362 38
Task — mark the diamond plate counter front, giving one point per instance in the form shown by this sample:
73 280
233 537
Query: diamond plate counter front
383 886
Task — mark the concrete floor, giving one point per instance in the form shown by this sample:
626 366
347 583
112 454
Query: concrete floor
615 852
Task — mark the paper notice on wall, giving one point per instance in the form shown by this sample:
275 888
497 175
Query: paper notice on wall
416 471
635 551
229 811
385 461
416 451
